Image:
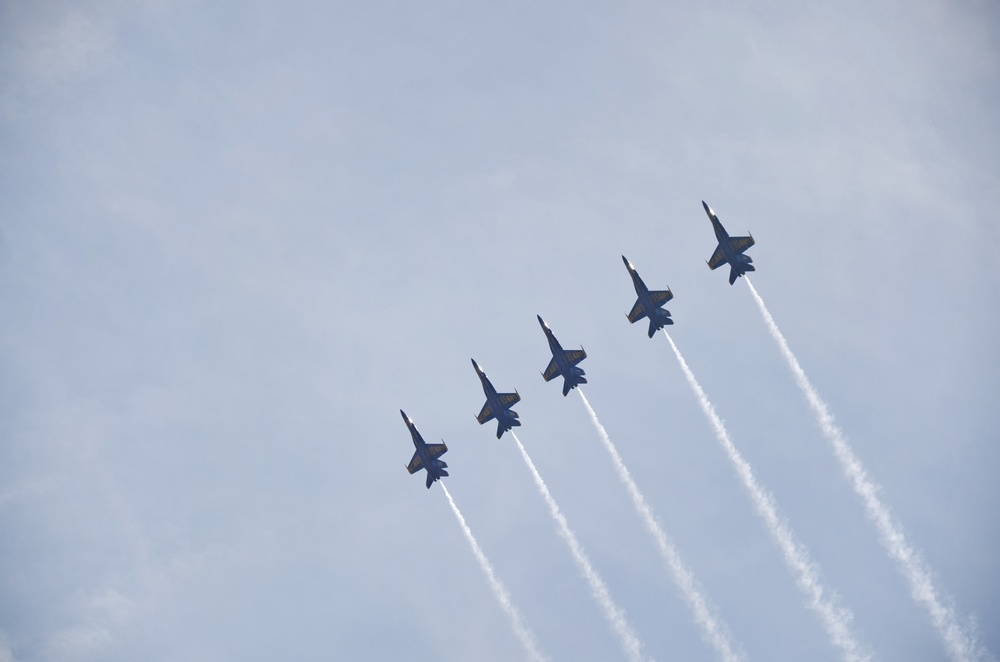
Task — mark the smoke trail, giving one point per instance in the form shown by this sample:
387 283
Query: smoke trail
614 614
713 631
835 619
522 632
961 645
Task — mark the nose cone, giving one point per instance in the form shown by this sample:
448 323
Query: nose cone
476 366
542 322
628 265
708 210
403 414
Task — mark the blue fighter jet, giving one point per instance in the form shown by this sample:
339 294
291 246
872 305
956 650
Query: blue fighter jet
498 405
426 455
730 249
563 362
649 303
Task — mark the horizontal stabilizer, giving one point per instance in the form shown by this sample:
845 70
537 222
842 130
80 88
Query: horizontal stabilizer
657 324
501 428
569 384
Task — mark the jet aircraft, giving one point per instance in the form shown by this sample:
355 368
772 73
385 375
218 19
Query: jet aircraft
730 249
563 362
498 405
426 454
649 304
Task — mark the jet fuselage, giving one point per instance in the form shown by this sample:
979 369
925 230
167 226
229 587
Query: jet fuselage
649 303
563 362
730 249
498 405
425 456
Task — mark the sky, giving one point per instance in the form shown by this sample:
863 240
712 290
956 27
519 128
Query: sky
237 238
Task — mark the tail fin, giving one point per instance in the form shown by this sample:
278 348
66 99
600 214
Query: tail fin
511 423
661 320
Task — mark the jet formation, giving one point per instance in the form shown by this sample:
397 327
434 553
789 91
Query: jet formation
648 305
426 456
498 405
730 249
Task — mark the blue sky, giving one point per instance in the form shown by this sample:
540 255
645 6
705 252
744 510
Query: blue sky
237 238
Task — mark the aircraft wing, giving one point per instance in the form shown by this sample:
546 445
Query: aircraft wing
485 414
637 313
508 399
718 258
740 244
436 450
551 371
415 464
574 356
661 296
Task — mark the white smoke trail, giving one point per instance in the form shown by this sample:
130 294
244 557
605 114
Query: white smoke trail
713 631
836 620
614 614
960 644
499 590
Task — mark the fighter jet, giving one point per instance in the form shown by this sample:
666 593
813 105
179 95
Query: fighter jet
426 454
563 362
649 303
498 405
730 249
